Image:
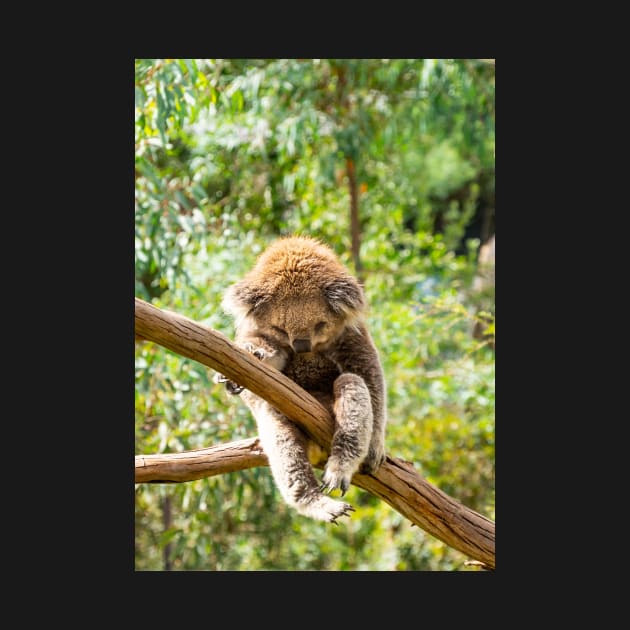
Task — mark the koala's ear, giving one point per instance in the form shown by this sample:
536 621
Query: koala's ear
344 296
242 298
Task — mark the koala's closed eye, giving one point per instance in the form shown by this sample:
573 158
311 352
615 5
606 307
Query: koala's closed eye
280 331
319 327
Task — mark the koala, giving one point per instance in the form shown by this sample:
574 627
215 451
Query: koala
301 311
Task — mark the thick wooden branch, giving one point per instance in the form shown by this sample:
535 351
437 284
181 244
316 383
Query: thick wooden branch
200 463
396 482
209 347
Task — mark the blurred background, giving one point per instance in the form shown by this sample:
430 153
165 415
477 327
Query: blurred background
391 163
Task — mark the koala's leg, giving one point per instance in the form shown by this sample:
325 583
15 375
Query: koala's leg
353 429
286 447
376 452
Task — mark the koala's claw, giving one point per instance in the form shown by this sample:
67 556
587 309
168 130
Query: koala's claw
328 487
334 478
259 353
345 511
323 508
230 386
233 388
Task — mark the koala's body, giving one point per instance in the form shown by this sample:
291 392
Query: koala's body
301 311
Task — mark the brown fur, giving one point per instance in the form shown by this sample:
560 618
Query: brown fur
301 311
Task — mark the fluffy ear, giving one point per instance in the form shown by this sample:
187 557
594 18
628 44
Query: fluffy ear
242 298
344 296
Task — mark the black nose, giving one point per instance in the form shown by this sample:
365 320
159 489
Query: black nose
302 345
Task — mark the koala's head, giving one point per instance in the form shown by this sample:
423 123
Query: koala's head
298 294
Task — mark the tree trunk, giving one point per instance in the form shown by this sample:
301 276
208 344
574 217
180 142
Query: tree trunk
355 226
396 482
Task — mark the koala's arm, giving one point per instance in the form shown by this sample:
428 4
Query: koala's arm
356 353
262 348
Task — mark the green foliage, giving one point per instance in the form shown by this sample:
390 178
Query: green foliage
231 154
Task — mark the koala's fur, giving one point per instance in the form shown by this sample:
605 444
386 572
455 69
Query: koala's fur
301 311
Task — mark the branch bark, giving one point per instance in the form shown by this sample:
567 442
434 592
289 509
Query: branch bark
200 463
396 482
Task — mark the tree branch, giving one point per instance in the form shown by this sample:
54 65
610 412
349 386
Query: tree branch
396 482
200 463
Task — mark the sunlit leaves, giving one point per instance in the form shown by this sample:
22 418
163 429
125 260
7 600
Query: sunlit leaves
445 169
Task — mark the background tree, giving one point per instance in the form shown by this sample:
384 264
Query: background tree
392 163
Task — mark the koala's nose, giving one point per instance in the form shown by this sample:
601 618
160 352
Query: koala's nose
302 345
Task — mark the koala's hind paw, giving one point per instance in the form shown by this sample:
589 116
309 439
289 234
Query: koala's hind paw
345 511
323 508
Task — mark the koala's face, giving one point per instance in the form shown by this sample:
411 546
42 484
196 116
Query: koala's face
304 325
297 295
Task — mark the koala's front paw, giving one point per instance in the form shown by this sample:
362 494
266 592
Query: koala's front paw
230 386
275 357
336 476
259 353
373 460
